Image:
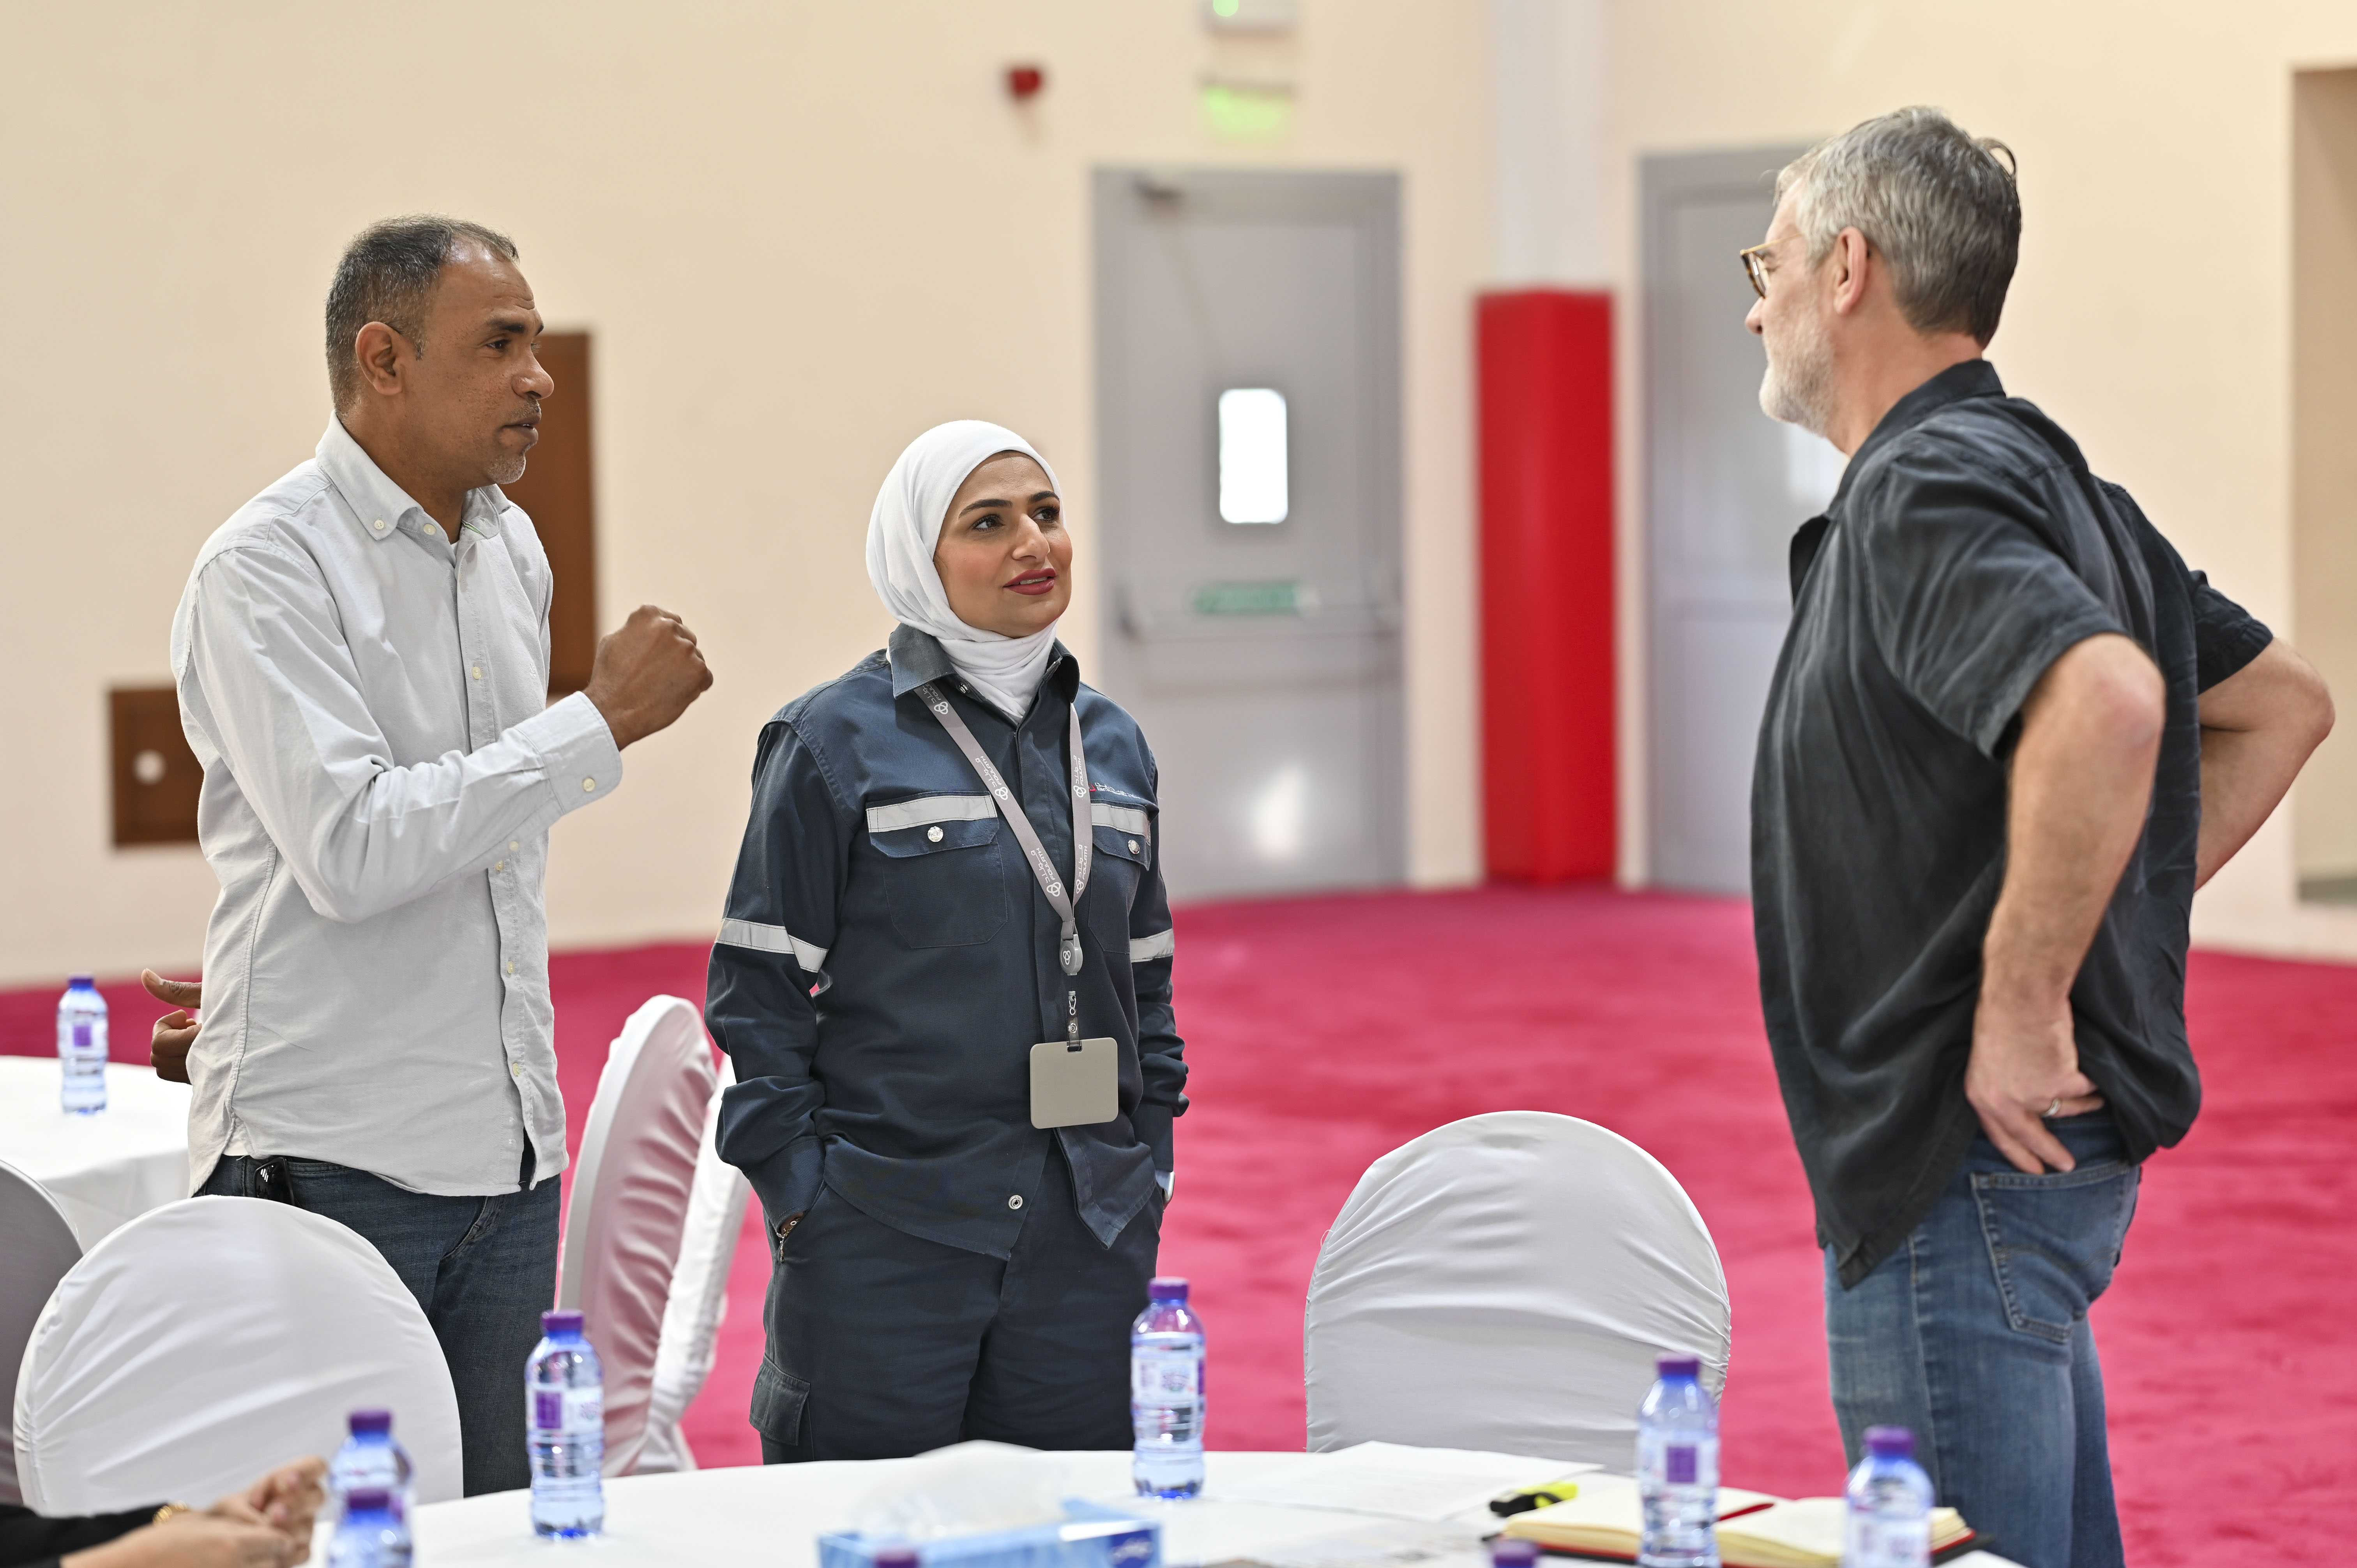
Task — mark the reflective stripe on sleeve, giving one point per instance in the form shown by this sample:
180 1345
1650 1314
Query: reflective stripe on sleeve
927 809
1145 950
773 938
1128 819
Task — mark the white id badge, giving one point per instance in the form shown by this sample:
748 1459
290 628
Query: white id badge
1075 1087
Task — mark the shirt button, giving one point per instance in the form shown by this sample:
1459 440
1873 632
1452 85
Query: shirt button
503 866
511 846
934 835
511 966
378 525
1015 1201
587 784
477 672
1132 846
515 1069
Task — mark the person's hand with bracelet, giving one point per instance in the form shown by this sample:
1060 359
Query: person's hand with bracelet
267 1526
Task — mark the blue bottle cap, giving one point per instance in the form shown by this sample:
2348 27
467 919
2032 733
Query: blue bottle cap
1678 1366
1889 1443
560 1322
895 1557
79 983
370 1422
1514 1552
1165 1287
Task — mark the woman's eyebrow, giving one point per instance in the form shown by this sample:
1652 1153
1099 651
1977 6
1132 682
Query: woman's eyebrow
975 506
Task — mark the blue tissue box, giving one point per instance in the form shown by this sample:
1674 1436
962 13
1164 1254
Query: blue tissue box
1089 1537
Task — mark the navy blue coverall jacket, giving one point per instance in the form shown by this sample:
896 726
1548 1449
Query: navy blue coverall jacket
888 960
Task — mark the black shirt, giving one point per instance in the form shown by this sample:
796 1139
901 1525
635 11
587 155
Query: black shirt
1967 549
29 1540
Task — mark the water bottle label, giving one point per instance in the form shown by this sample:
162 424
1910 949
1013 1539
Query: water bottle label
568 1410
1160 1380
1891 1540
1678 1460
82 1036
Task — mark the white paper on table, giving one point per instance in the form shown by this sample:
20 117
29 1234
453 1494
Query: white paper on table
1399 1481
1376 1543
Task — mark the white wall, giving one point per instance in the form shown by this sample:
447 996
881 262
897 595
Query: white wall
2152 311
801 234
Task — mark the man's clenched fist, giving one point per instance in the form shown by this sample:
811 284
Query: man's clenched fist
646 674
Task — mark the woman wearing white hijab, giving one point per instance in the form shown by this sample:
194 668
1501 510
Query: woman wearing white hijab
944 983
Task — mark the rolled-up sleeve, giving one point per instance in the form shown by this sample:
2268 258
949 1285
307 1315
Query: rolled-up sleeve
270 681
778 923
1971 605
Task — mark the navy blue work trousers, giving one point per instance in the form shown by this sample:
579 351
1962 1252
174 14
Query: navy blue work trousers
483 1269
1974 1333
883 1343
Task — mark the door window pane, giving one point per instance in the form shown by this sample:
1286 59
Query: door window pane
1253 481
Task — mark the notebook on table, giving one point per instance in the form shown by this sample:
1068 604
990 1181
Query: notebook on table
1755 1531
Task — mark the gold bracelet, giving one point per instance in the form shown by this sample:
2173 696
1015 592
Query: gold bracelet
168 1509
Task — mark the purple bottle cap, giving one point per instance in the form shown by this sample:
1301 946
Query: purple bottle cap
79 983
1165 1287
1889 1443
370 1499
560 1322
1678 1366
372 1421
1514 1552
895 1557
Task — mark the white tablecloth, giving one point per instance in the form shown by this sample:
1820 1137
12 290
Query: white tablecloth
773 1516
102 1169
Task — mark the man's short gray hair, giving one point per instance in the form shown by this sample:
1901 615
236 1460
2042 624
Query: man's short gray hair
389 274
1938 205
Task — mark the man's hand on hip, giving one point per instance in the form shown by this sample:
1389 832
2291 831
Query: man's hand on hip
168 1045
646 674
2024 1068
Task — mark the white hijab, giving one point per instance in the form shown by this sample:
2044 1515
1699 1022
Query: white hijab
901 534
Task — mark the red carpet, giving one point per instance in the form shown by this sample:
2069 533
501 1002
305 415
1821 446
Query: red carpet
1325 1032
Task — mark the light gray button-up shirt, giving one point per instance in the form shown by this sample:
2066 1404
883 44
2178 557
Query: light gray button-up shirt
381 767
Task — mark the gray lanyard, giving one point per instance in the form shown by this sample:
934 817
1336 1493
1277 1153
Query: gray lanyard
1067 950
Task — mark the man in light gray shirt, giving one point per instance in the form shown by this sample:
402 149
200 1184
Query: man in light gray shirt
362 653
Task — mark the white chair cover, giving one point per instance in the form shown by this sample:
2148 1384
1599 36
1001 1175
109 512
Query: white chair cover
213 1339
1504 1283
37 1248
629 1207
699 1296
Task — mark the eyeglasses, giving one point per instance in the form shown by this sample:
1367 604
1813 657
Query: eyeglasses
1755 267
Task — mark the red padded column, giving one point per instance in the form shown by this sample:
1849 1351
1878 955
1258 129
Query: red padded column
1545 374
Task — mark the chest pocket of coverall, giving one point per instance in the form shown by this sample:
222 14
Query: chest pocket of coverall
944 892
1124 847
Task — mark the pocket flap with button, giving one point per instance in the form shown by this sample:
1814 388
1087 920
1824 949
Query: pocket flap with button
934 837
1129 847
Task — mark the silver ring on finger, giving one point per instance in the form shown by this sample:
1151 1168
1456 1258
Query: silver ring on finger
2052 1110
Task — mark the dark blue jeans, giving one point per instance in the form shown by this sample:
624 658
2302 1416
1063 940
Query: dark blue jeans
1975 1335
482 1268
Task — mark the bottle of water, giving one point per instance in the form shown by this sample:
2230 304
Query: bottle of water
1166 1394
82 1047
367 1535
372 1461
564 1406
1888 1522
1678 1469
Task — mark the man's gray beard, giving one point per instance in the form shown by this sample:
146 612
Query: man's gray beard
508 470
1798 389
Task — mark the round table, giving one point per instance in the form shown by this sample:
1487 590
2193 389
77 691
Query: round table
774 1514
105 1168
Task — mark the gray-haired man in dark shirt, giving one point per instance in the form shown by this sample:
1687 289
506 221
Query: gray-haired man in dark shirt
2009 736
